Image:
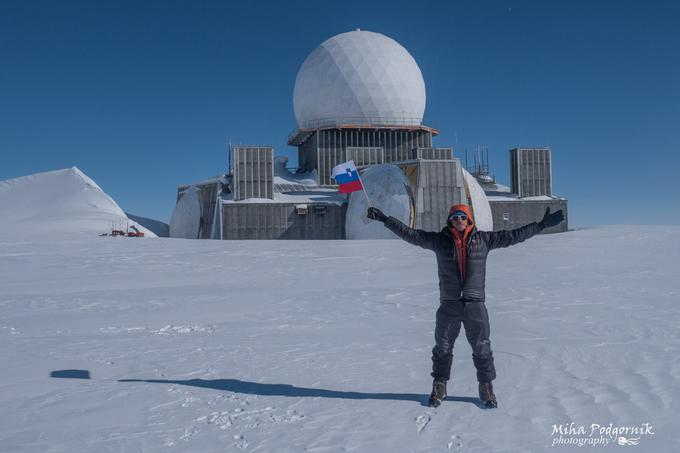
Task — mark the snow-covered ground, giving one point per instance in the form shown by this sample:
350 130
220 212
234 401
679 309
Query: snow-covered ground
287 346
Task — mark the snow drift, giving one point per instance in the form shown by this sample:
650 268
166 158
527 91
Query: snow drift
61 202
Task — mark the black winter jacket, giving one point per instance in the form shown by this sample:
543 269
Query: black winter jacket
479 244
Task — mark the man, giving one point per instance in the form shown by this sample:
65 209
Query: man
461 260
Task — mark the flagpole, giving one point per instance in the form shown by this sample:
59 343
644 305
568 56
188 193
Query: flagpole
363 187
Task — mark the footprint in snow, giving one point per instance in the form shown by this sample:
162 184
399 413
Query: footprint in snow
291 416
421 422
188 434
455 444
221 419
241 443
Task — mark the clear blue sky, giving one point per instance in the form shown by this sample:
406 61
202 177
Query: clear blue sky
143 96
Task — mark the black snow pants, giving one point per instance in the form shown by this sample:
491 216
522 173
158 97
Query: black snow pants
475 320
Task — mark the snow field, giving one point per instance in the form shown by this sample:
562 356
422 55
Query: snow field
322 346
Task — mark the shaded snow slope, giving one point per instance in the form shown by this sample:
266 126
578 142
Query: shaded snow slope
289 346
160 229
57 203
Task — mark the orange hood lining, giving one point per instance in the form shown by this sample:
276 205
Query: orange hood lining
466 209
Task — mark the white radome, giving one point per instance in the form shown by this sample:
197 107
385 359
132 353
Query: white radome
359 77
388 189
481 208
185 222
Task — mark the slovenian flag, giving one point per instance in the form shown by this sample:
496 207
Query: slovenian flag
347 177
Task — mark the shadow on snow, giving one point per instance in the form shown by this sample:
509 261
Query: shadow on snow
255 388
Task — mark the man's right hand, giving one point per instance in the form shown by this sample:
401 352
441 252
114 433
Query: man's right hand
376 214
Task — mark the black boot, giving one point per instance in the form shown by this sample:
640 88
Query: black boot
486 395
438 393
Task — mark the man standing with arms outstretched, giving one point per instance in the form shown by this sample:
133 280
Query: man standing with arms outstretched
461 259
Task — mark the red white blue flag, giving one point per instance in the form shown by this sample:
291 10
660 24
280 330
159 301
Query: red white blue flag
347 177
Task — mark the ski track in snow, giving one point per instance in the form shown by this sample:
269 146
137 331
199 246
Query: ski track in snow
325 346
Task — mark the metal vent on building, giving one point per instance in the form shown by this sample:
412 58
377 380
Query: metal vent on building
282 188
531 171
431 153
252 171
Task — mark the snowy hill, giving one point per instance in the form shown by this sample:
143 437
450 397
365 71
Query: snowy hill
324 346
58 203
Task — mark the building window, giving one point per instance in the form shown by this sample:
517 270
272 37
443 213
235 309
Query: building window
506 216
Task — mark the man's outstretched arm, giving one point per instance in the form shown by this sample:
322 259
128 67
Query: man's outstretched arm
499 239
424 239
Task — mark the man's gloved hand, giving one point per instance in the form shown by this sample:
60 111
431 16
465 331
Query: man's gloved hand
376 214
550 220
